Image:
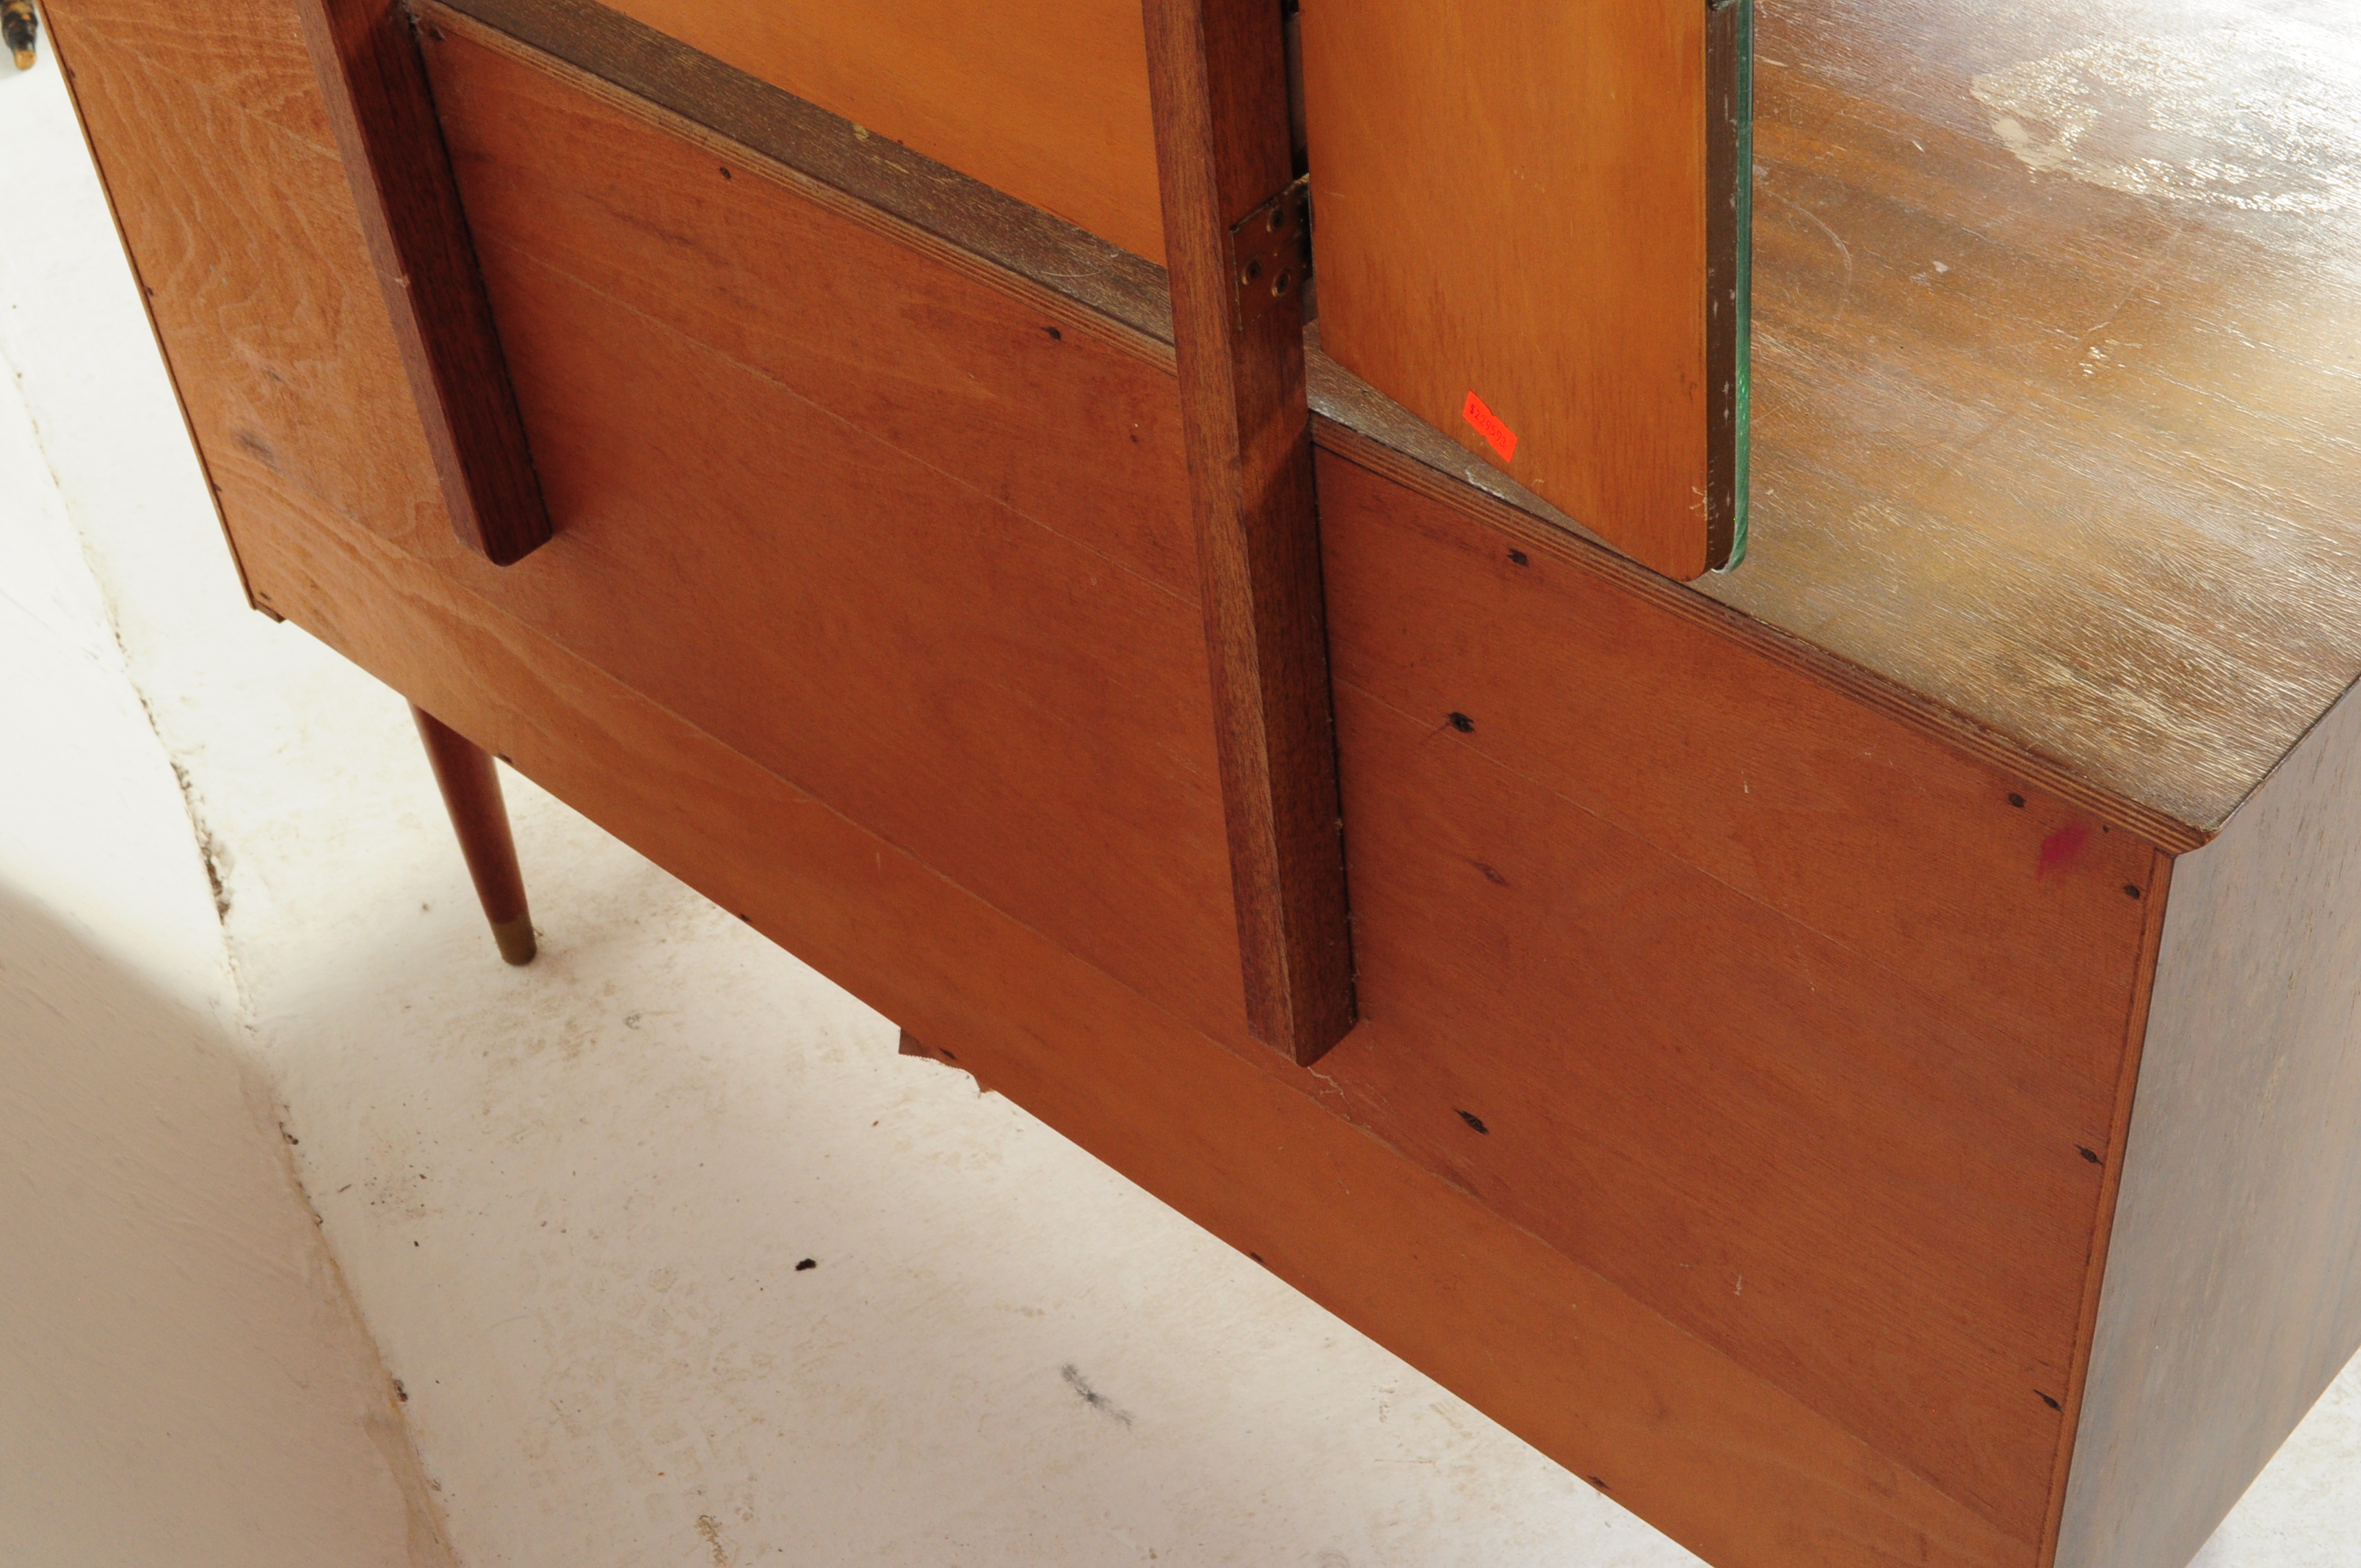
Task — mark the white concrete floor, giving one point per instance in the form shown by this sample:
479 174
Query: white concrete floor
574 1201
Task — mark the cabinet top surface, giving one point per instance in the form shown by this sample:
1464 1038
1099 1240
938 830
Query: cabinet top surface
2057 319
2058 326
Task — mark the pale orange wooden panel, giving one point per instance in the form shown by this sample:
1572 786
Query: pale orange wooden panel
1783 1150
257 66
1509 202
1044 99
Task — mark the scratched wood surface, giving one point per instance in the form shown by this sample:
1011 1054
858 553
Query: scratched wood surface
2143 570
2057 318
2052 344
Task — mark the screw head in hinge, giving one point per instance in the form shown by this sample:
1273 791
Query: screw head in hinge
1274 241
18 27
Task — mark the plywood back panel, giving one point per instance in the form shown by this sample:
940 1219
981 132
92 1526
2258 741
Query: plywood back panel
842 484
1718 1457
1036 701
1044 99
1509 204
1565 957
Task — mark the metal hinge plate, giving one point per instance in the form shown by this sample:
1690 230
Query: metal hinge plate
1271 254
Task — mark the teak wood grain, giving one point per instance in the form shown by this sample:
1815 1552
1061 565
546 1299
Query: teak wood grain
874 478
1944 498
1623 1149
1871 1097
1845 1122
1217 75
1511 204
374 88
1696 748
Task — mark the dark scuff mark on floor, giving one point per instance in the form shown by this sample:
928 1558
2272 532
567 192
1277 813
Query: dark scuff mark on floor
1092 1397
708 1530
208 847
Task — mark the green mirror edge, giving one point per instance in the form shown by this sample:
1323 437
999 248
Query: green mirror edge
1742 420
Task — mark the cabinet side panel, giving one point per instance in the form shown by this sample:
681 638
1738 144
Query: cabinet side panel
2232 1291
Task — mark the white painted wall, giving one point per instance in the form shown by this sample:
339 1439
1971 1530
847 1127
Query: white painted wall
570 1199
183 1379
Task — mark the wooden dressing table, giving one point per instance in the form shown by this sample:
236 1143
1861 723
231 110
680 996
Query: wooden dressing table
1855 1056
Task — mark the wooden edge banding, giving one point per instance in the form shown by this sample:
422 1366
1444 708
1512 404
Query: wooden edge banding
1120 299
59 52
2143 988
374 85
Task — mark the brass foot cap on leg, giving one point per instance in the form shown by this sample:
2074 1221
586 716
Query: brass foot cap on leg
515 937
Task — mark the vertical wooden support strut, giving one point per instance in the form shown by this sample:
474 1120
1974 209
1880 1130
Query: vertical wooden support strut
1217 82
375 83
471 793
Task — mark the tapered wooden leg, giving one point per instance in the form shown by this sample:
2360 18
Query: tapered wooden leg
471 791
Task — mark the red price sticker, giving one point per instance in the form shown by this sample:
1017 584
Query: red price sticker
1487 425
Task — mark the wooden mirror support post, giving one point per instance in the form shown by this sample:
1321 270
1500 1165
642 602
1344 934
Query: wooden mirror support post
1236 249
374 82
